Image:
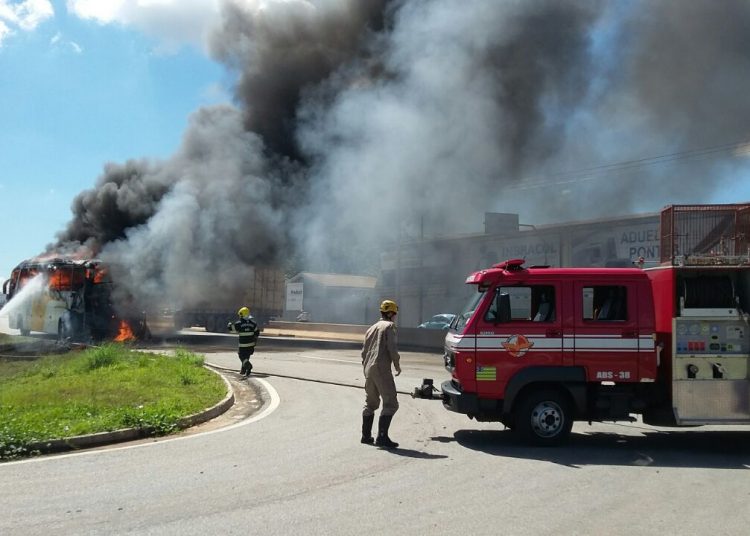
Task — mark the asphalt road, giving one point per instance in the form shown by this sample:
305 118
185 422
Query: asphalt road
296 466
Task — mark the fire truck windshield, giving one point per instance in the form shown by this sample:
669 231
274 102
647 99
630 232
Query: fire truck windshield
463 317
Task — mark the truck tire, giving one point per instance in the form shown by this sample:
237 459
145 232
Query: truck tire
69 326
25 332
544 418
62 330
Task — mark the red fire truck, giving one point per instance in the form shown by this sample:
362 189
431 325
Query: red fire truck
537 348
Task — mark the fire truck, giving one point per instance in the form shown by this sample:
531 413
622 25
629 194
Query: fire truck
68 297
537 348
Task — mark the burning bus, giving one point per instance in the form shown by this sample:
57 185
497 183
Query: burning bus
71 298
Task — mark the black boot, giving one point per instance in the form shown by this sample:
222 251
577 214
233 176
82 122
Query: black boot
367 429
383 440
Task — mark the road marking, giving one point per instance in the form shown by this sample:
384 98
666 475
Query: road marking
330 359
272 406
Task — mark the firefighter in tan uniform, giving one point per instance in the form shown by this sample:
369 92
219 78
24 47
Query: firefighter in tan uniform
378 354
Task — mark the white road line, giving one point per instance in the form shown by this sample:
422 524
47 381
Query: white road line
275 401
331 359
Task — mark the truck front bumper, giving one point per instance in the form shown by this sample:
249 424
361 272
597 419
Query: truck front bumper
454 399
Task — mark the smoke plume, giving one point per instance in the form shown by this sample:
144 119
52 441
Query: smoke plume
358 123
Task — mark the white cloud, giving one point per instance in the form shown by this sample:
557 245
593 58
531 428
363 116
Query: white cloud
58 42
33 12
104 11
173 22
4 32
25 15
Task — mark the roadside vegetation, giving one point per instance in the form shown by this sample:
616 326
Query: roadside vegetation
97 390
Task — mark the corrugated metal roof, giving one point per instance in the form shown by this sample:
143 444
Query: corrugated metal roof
336 280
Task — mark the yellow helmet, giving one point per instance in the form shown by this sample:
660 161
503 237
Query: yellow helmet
244 312
388 306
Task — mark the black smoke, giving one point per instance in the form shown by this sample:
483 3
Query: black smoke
285 49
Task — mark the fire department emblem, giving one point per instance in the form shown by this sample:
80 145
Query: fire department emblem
517 345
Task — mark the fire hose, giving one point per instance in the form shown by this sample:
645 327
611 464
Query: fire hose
426 391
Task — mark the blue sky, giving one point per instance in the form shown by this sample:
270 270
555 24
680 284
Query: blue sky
84 83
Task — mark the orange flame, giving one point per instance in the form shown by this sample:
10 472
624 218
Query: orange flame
100 275
125 334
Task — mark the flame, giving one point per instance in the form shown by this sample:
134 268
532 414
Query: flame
66 280
100 275
125 334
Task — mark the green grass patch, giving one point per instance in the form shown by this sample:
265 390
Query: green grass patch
97 390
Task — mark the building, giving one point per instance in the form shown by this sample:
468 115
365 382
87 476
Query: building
427 277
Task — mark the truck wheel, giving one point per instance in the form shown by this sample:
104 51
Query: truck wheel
544 418
69 326
24 331
62 331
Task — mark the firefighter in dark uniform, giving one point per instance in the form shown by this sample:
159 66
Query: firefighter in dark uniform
248 331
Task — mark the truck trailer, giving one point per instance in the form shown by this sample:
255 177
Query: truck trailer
537 348
263 293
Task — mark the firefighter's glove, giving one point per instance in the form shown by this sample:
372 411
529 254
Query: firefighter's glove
398 370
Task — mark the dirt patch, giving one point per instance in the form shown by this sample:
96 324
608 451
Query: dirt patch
32 349
248 400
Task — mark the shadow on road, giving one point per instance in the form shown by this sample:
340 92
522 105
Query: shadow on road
409 453
702 449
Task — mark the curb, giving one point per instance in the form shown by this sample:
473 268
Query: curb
129 434
295 340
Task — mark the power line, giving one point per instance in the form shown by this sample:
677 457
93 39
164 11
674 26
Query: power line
601 171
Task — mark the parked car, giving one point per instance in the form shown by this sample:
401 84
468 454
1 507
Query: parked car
441 321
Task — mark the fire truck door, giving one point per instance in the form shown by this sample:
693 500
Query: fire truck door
606 331
521 327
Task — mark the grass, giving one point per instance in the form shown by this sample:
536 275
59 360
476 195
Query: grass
97 390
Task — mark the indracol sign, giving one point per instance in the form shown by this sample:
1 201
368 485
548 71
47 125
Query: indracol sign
294 294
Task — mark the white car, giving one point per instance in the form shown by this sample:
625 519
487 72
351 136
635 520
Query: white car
441 321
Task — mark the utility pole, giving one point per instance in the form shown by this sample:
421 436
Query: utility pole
398 270
421 266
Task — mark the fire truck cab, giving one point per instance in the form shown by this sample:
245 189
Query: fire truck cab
537 348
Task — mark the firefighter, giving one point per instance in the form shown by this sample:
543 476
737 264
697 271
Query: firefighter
248 331
379 352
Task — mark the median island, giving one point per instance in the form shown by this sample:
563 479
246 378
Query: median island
109 388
